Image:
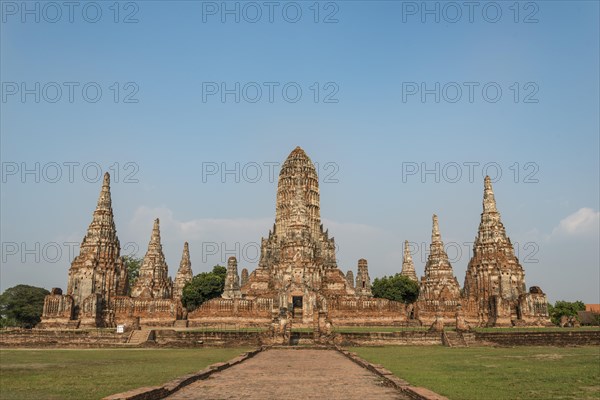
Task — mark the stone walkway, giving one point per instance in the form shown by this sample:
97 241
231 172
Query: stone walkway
291 374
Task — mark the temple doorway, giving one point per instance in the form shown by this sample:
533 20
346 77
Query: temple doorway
297 306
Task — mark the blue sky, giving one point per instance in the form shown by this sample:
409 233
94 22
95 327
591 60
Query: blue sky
368 129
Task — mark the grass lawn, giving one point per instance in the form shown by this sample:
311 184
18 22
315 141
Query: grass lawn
495 373
95 373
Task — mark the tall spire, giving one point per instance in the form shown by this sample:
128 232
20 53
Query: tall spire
99 268
489 202
184 273
408 268
494 270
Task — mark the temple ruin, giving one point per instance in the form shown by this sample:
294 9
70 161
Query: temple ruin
297 277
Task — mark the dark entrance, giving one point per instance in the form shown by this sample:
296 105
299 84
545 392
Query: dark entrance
297 306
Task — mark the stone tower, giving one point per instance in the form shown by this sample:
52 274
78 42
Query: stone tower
232 280
154 281
495 280
408 268
363 281
244 277
98 272
297 205
297 266
350 278
184 274
439 288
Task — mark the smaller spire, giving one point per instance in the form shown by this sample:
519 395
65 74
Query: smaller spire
350 278
184 274
185 263
489 201
104 199
363 281
155 238
232 280
407 256
245 276
408 268
435 232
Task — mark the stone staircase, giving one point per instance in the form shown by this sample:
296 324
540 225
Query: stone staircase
454 339
139 337
181 323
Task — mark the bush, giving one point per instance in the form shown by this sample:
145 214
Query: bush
203 287
397 288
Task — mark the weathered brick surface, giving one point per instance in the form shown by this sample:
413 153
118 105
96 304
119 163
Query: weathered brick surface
412 338
61 338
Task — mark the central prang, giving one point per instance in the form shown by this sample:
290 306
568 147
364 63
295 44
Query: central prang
297 262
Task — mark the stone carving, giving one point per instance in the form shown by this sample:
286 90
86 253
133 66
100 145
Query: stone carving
408 268
184 273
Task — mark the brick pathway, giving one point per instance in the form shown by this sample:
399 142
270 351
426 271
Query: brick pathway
291 374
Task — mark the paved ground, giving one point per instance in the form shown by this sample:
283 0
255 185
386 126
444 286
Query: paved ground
291 374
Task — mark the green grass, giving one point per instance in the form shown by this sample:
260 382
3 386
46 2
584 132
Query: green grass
495 373
93 374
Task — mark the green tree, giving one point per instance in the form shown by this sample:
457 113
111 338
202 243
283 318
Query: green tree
397 288
22 306
133 265
203 287
561 307
221 271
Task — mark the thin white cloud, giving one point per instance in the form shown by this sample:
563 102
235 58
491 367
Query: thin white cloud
582 222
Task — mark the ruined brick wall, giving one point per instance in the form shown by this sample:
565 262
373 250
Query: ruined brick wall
238 312
171 338
150 312
57 311
404 338
61 338
365 311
